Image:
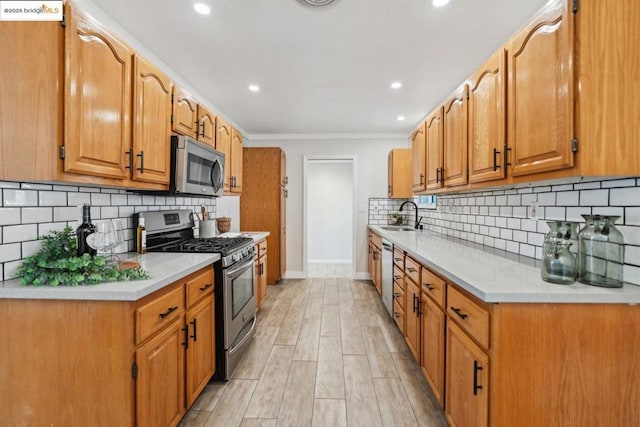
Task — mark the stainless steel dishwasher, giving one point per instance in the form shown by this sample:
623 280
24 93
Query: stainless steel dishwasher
387 275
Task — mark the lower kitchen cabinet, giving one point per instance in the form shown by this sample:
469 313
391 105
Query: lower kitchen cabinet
467 374
375 260
412 317
107 363
432 342
260 266
160 378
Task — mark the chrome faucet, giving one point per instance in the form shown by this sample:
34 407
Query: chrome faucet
415 223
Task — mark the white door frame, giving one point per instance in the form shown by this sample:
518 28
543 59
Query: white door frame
305 240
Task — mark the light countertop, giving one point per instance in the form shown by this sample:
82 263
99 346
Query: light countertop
255 235
497 276
165 268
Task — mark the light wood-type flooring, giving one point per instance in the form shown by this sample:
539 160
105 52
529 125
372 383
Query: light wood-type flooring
326 353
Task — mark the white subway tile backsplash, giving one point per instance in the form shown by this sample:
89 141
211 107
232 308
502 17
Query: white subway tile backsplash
36 215
506 211
10 269
541 189
8 184
67 214
148 200
514 223
19 197
506 234
575 214
625 196
9 216
562 187
629 182
134 199
108 212
501 222
520 212
74 199
547 199
100 199
32 186
44 229
19 233
567 198
586 185
31 248
89 189
527 250
554 213
10 252
513 247
632 255
631 216
631 274
118 200
69 188
594 197
520 236
535 239
527 199
609 211
52 198
529 225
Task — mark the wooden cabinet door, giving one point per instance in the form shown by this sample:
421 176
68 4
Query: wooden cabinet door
283 253
201 352
540 93
236 161
412 317
160 380
399 172
487 120
223 144
418 156
370 260
206 126
467 379
432 344
455 139
97 103
152 123
434 139
185 113
261 279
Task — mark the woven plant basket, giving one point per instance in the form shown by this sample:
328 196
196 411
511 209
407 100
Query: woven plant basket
223 223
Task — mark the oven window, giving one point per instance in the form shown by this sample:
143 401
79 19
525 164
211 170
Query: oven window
199 170
242 290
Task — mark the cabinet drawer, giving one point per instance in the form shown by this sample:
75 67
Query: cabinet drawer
398 293
473 318
199 285
398 315
434 286
261 248
159 312
412 269
398 276
376 240
398 258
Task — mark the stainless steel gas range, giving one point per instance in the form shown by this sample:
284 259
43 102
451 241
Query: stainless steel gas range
235 300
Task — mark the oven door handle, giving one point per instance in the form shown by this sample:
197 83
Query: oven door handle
246 336
238 269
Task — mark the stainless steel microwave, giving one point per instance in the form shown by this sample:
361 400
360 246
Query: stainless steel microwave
196 168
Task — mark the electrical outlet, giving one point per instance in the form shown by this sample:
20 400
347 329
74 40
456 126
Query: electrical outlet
533 210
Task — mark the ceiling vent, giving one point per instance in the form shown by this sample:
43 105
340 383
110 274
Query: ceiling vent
317 2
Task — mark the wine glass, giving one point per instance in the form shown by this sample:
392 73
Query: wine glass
104 237
119 236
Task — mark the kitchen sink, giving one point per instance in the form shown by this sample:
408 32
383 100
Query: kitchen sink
397 228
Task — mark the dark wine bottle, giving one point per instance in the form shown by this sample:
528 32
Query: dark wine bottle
84 230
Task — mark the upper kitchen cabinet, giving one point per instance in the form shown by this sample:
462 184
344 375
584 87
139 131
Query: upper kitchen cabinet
150 155
223 144
206 125
185 113
399 173
454 171
418 170
29 148
434 135
235 177
487 117
540 93
97 101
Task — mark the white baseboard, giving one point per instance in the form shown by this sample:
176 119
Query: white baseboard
294 275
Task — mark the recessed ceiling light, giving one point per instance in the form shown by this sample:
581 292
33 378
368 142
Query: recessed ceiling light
202 8
439 3
396 85
401 118
254 88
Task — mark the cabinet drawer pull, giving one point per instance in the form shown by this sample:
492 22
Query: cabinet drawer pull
476 369
396 295
195 325
141 155
496 166
415 303
202 126
205 287
396 315
419 310
411 269
506 158
185 344
397 277
397 259
130 154
168 312
428 286
459 313
421 178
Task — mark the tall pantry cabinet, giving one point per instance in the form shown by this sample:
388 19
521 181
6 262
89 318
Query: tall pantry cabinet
262 205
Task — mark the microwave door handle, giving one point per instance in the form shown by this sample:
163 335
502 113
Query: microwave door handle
216 185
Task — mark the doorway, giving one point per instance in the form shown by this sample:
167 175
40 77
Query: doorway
329 208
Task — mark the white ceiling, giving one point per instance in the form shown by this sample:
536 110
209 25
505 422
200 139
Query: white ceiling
323 69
